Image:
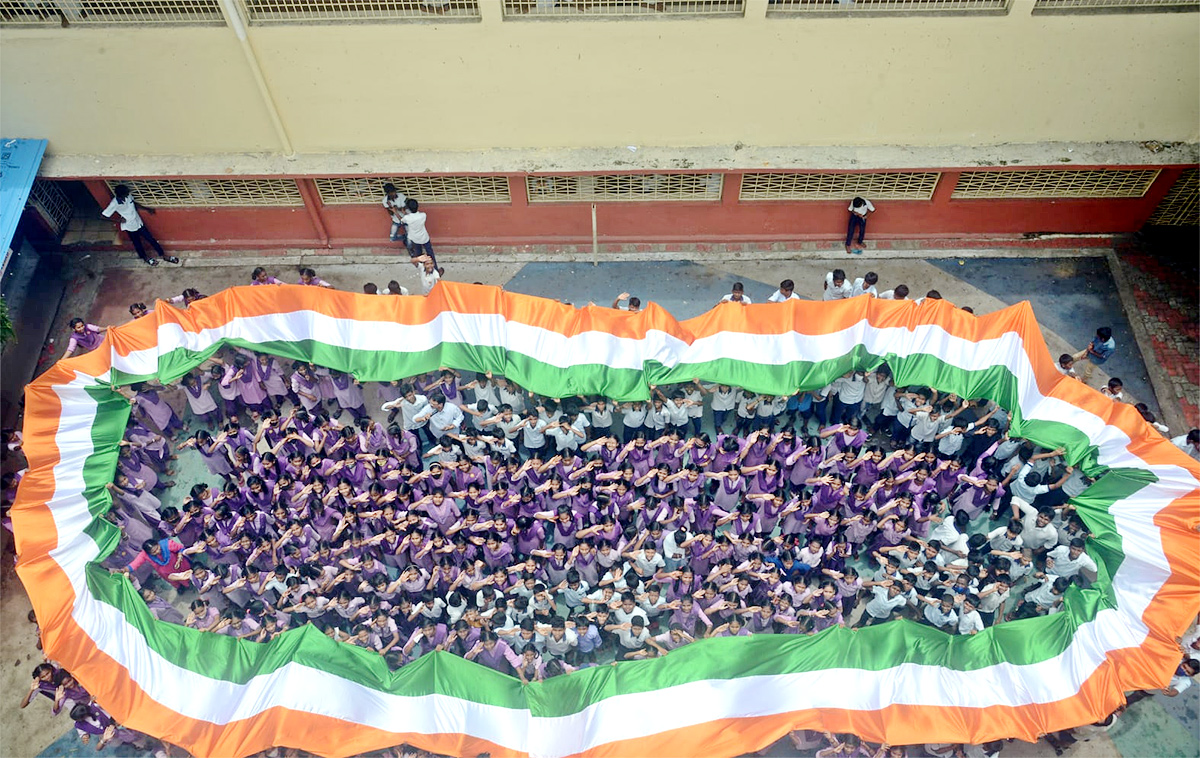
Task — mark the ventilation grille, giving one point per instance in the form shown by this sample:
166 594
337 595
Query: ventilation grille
202 193
1181 206
1132 6
109 12
427 189
886 7
324 11
585 9
780 185
1054 183
628 187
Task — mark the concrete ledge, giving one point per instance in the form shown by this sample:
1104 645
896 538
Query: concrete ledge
620 158
698 253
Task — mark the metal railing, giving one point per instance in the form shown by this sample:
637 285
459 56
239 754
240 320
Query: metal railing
109 12
593 9
1113 6
884 185
325 11
52 204
886 7
1065 183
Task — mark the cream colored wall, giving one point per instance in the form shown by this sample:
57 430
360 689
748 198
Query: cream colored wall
469 86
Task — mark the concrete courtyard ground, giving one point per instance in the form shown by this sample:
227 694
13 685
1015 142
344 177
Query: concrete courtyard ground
1072 292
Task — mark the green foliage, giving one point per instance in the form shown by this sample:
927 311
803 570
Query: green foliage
7 333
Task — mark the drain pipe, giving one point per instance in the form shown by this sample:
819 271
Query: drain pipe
233 17
595 239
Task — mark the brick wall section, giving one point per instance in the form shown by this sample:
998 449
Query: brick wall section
1167 307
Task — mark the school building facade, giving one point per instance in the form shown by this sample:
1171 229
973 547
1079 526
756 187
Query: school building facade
272 124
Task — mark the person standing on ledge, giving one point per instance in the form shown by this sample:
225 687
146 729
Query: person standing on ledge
418 235
393 203
859 208
127 208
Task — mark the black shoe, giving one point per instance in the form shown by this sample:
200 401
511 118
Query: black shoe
151 262
171 259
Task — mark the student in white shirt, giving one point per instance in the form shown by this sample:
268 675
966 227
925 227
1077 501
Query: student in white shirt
939 612
737 295
1184 677
786 291
969 620
632 304
442 416
900 293
836 286
1037 530
393 203
1068 560
428 271
418 235
859 208
126 207
1066 365
865 285
1189 443
884 600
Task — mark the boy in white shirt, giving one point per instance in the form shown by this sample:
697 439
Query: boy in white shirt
127 208
859 208
1066 365
1189 443
884 601
865 285
393 203
737 295
1068 560
786 291
969 621
836 286
428 271
418 236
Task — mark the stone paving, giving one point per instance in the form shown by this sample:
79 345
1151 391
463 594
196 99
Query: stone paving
1165 308
1168 309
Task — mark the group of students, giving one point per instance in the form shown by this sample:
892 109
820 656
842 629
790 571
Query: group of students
537 536
66 695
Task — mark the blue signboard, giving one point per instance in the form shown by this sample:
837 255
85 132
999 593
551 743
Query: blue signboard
19 161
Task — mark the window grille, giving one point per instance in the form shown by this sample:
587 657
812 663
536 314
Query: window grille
1132 6
52 204
324 11
781 185
426 189
585 9
887 7
109 12
1054 183
1181 206
203 193
623 187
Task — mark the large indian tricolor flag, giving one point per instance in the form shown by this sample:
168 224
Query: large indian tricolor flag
901 682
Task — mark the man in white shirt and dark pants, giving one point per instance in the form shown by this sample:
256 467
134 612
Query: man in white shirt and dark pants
418 236
859 208
126 207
